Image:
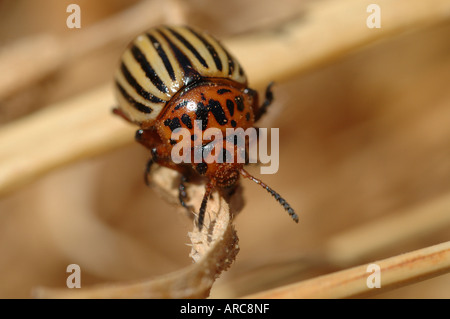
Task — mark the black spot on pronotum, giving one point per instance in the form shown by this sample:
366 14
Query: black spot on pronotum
223 91
180 105
239 102
202 114
233 123
217 111
230 106
201 168
186 121
247 116
173 124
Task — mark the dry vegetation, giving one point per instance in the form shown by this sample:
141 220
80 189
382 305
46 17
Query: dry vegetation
364 118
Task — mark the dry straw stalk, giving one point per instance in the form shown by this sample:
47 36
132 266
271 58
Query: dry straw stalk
395 272
82 127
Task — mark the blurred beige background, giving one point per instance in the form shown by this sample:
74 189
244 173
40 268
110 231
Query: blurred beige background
364 139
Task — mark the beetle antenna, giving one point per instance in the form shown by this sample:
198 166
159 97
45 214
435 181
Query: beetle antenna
267 101
277 196
201 214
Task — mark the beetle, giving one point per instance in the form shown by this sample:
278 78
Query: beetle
171 77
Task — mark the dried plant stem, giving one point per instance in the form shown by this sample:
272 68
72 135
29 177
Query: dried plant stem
213 250
326 31
395 272
20 70
58 135
358 244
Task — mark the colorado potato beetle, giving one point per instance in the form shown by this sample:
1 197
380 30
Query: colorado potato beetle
172 77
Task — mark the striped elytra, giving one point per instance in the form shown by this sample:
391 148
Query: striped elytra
161 61
171 77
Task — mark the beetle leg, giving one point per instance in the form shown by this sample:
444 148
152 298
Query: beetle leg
120 113
201 214
267 101
182 195
161 156
148 167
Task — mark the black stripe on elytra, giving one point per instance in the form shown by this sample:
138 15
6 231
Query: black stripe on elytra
230 62
162 54
190 74
148 69
173 124
139 89
210 48
217 111
239 102
189 46
139 106
186 121
241 70
223 91
230 106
